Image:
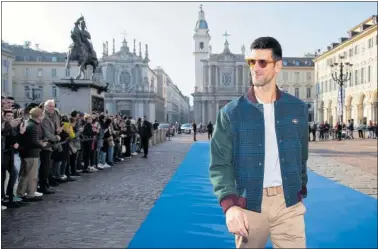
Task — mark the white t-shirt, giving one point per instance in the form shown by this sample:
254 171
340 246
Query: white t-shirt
272 167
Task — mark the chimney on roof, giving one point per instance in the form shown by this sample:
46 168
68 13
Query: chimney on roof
334 44
36 46
343 39
328 48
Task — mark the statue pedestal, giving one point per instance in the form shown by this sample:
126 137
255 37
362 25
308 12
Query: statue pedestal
83 95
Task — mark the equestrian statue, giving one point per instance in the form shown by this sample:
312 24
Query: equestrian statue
81 50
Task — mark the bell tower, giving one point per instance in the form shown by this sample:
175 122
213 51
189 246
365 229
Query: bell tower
201 47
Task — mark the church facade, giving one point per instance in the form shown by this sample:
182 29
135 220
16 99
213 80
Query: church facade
133 89
221 78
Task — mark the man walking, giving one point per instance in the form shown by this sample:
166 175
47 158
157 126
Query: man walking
258 157
145 133
194 125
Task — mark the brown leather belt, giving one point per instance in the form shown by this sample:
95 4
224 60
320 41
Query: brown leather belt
272 191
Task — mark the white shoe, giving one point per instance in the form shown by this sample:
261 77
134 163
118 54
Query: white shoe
100 166
64 177
134 153
106 166
3 207
91 168
38 194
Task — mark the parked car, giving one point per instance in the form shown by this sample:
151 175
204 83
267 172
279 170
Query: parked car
170 129
186 128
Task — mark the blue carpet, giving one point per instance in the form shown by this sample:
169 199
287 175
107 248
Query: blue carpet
187 215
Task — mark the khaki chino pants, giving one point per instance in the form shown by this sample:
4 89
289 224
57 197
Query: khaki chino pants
285 226
28 177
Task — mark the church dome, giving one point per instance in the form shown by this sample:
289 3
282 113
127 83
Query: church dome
201 24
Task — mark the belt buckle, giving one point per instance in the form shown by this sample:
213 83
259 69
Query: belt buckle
271 191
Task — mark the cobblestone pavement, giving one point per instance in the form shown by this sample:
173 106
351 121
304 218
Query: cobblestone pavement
352 163
102 209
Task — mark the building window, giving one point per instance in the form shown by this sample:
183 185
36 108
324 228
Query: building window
4 86
27 92
40 73
362 75
308 92
297 92
26 72
308 76
356 77
285 76
356 49
39 93
296 76
67 72
53 59
53 72
369 73
350 52
54 91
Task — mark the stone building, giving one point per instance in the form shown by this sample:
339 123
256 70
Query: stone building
31 75
176 105
220 78
133 86
7 59
360 98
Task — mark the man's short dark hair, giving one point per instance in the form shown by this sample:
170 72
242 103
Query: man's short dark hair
268 43
74 113
10 97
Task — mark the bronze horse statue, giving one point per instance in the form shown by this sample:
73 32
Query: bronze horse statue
81 50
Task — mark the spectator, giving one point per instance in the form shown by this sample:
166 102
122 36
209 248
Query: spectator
31 144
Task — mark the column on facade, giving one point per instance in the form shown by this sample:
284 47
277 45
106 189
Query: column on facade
211 111
133 110
216 110
202 112
218 82
152 111
374 111
236 77
210 78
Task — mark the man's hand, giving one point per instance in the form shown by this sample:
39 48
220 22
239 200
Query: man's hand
44 144
237 222
58 137
22 128
59 129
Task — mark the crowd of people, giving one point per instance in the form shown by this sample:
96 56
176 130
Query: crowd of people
43 148
324 131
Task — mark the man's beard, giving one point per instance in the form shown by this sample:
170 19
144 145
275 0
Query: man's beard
263 82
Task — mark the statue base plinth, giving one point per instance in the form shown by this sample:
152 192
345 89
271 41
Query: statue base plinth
83 95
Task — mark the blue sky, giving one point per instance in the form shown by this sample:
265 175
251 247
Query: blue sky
168 27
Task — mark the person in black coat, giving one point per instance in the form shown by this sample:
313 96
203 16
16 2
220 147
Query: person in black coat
145 133
210 129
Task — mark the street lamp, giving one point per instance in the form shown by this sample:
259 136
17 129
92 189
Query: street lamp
34 94
344 75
